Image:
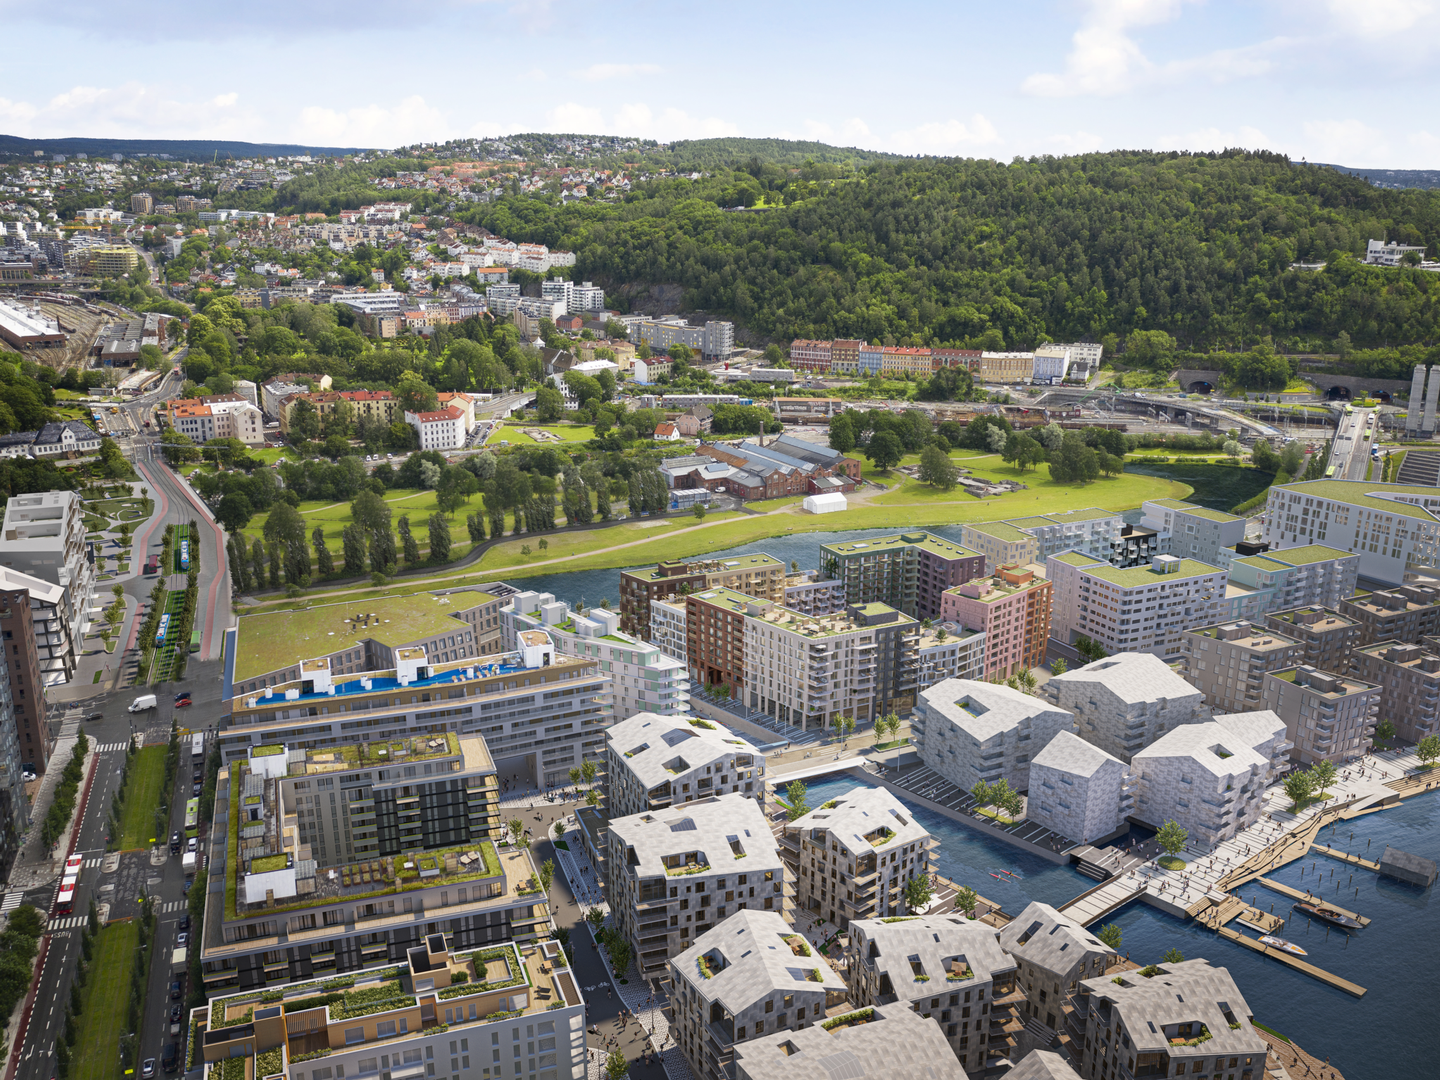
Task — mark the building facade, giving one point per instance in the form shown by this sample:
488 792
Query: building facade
1053 954
1314 575
1125 702
1326 636
1227 663
1327 716
1406 614
760 576
1189 531
655 763
1079 791
1012 609
908 571
1409 680
970 732
1133 609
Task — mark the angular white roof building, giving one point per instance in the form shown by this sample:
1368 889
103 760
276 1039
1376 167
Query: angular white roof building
1125 702
969 731
1079 790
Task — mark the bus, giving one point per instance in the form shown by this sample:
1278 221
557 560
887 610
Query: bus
185 555
192 818
69 881
164 629
1330 473
194 640
197 748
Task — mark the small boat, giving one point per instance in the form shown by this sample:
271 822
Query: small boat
1283 945
1329 915
997 877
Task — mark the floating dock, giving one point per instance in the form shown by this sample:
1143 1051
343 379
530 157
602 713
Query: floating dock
1299 894
1354 989
1345 856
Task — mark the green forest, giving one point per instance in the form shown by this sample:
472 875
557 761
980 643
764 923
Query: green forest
984 254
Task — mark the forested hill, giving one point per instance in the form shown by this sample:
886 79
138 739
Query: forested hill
971 252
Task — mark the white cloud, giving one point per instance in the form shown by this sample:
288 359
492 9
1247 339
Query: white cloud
1345 142
574 119
639 120
1378 18
409 120
1214 138
945 136
131 110
601 72
851 132
1104 58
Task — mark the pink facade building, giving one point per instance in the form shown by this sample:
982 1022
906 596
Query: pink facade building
1012 609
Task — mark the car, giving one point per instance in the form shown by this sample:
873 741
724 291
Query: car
181 938
170 1057
196 788
184 695
93 716
185 921
147 1070
27 775
175 990
184 704
193 844
189 882
198 774
175 843
389 457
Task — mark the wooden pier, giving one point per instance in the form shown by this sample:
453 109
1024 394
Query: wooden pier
1293 961
1345 856
1299 894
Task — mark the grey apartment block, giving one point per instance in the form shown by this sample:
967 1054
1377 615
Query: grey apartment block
654 762
1227 663
748 977
1125 702
1189 531
1409 681
674 874
852 856
1210 778
949 968
1078 790
1188 1018
887 1042
1052 954
969 731
1042 1065
1328 637
1327 716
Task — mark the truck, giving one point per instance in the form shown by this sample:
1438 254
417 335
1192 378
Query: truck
141 703
179 961
187 862
152 564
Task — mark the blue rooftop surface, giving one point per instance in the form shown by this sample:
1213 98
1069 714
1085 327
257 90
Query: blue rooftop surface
380 684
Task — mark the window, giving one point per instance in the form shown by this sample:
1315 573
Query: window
357 1035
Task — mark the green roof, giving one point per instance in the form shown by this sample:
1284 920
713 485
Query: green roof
1029 522
937 544
1310 553
1263 562
1074 558
723 597
1089 513
1001 530
1175 504
1354 492
739 562
1131 576
281 639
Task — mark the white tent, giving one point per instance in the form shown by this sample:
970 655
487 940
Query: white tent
828 503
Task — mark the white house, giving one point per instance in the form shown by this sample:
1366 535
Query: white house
666 432
443 430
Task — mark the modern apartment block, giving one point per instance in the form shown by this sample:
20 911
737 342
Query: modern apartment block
887 1040
760 576
1133 609
644 678
29 619
515 1011
852 856
276 916
973 731
1227 663
1327 716
1012 609
907 571
1313 575
947 968
715 636
1407 614
14 804
1187 1018
1211 778
1327 637
1127 701
657 763
1079 790
1053 954
1409 680
950 651
748 977
668 628
674 874
1188 531
813 595
1090 531
541 714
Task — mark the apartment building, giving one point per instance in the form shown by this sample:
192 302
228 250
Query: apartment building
1090 531
29 620
1227 663
1133 609
713 341
748 977
1053 954
1189 531
760 576
945 968
969 731
655 763
1408 677
845 356
806 355
642 677
1327 716
14 803
1006 367
1407 613
540 714
715 637
1002 543
668 631
851 857
810 670
1079 790
443 429
908 571
1125 702
811 594
288 919
513 1010
1211 778
1186 1018
1313 575
881 1041
675 874
1326 636
949 651
1392 527
1012 609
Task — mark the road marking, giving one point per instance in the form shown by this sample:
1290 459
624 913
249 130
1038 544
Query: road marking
12 901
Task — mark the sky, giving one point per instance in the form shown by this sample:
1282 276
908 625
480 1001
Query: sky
1338 81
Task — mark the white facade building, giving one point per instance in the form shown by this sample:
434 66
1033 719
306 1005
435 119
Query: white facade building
668 628
1079 790
959 654
969 731
1188 531
442 430
1125 702
43 536
658 762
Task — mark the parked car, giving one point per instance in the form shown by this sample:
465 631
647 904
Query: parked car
147 1070
181 938
196 788
185 921
170 1057
193 844
177 1014
175 990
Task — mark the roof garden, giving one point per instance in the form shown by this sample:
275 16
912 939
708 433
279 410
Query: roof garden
1074 558
704 566
1310 553
387 752
1356 493
937 544
1000 530
1133 576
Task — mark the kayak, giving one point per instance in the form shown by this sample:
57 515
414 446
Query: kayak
1329 915
1283 945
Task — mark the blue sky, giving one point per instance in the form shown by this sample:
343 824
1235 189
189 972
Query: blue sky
1329 80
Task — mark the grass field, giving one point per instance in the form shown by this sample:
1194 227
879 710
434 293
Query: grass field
508 553
417 504
565 432
142 796
94 1056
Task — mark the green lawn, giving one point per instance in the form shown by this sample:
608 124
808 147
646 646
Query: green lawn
416 503
565 432
508 553
94 1056
142 796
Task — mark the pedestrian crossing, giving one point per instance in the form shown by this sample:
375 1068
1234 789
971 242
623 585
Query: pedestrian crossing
11 902
68 922
109 747
93 862
171 906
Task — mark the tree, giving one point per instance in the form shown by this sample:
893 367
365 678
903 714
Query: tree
475 526
842 433
1298 785
1173 956
1384 731
1323 773
549 404
1111 935
1428 749
547 872
407 541
936 468
1059 667
884 450
304 421
324 563
1075 463
615 1065
1232 449
917 893
257 560
414 394
796 795
370 512
234 512
1171 838
439 539
981 793
966 899
353 539
589 770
